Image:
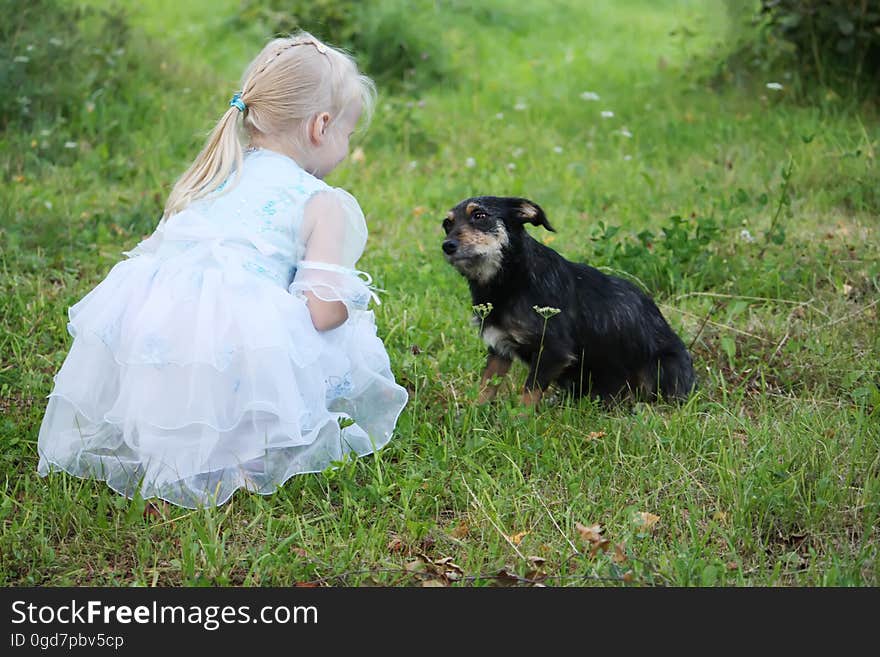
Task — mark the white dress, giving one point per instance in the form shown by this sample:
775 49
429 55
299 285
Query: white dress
195 368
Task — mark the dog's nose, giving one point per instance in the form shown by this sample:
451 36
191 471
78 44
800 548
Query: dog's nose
449 247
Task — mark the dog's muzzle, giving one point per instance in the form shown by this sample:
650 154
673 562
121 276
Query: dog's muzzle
450 246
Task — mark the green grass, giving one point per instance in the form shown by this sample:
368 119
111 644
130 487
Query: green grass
769 476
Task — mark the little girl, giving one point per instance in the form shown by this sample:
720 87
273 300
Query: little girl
233 348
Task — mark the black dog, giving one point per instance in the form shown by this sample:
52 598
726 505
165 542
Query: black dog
608 339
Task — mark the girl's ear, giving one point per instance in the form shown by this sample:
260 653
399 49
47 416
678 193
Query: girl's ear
531 213
318 128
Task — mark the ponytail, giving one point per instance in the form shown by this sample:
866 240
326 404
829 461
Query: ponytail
221 155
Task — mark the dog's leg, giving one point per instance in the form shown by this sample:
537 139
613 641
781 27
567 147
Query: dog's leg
496 365
545 368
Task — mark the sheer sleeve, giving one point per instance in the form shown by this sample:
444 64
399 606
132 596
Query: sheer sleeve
335 234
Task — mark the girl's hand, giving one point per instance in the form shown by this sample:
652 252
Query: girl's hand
326 315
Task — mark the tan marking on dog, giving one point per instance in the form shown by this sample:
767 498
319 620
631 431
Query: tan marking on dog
487 248
495 366
450 215
531 397
469 209
528 211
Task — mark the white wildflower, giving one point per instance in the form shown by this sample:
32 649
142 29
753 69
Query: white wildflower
607 114
413 164
546 311
557 149
627 158
70 144
775 86
511 166
470 163
516 152
590 95
623 132
520 106
746 236
482 310
499 116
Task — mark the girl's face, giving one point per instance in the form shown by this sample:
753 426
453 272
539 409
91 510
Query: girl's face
330 138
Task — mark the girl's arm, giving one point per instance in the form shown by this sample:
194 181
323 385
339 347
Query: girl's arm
325 277
326 315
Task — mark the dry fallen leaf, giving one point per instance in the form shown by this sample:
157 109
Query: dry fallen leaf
506 577
415 566
619 553
460 531
447 568
593 435
395 544
601 545
156 510
591 533
645 519
516 539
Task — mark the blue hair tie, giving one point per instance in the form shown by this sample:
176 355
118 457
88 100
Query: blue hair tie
237 102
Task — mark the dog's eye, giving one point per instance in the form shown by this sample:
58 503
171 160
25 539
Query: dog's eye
478 215
447 224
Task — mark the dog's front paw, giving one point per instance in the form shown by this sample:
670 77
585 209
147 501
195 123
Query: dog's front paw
531 398
487 394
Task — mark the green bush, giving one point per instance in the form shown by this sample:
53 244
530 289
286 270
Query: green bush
79 83
53 58
833 41
394 41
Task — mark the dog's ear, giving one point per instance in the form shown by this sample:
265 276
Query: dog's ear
530 213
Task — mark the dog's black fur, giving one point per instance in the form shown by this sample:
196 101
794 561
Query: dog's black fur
609 339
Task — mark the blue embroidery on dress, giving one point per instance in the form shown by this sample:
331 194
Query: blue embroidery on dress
362 299
257 268
339 386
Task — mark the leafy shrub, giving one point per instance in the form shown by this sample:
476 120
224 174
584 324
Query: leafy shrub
843 34
54 57
832 41
395 41
684 256
77 80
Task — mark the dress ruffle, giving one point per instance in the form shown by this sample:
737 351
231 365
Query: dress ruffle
189 378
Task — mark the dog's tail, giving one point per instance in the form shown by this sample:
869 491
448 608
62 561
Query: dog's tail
674 378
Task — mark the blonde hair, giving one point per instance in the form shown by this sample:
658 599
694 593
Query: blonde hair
282 88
